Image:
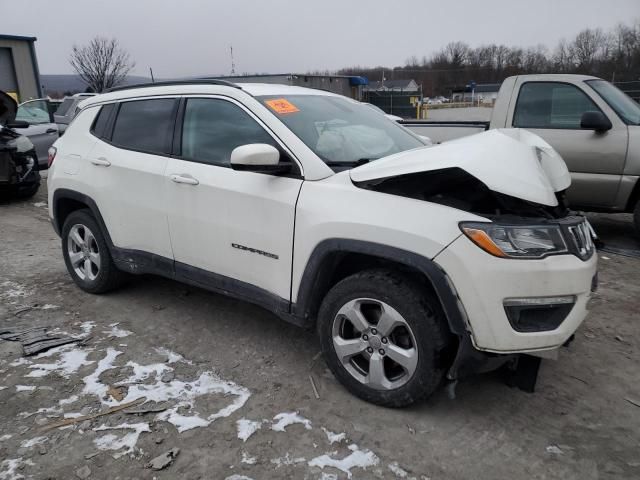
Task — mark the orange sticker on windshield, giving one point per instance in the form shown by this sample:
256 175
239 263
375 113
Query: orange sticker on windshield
282 106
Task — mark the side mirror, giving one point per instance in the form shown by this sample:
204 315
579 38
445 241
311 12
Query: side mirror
595 121
17 124
258 157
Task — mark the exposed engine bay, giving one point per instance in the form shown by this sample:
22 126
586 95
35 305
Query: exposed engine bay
19 173
454 187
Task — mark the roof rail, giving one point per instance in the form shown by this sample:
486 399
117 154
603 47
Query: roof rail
167 83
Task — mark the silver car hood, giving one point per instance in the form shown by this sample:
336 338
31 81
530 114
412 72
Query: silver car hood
513 162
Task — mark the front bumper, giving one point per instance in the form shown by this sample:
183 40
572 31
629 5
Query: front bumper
483 283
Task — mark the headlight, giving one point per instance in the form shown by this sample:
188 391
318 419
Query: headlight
516 241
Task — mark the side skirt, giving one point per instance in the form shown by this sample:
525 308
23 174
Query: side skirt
138 262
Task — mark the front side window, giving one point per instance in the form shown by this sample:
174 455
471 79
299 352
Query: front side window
35 112
551 105
342 132
145 125
620 102
212 128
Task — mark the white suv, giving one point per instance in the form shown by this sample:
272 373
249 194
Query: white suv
414 263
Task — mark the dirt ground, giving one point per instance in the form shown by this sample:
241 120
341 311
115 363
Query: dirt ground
219 369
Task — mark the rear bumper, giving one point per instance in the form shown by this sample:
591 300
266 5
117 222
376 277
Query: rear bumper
483 283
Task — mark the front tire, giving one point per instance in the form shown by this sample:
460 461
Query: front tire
86 254
383 338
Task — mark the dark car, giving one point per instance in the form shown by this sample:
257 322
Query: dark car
19 175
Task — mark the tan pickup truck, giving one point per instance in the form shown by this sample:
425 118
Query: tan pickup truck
592 124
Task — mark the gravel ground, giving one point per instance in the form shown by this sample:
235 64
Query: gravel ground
232 388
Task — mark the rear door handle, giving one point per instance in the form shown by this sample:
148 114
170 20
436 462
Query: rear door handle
183 178
51 130
101 162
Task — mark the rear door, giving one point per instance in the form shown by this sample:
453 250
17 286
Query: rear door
230 229
42 131
553 111
127 165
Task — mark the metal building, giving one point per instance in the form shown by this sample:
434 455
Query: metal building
19 75
349 86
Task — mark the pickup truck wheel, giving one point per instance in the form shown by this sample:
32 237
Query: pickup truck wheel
382 338
86 254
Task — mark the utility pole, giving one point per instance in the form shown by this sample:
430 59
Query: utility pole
151 72
233 65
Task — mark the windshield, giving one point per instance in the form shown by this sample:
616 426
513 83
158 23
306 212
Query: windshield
342 132
622 104
34 112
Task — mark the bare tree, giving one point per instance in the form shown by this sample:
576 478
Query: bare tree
101 63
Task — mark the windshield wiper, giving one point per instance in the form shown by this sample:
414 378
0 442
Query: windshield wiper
352 163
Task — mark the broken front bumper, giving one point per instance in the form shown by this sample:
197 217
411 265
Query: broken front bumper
485 285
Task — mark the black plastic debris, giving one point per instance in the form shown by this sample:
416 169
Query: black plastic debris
36 339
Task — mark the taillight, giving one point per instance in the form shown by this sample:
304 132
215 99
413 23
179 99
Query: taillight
51 155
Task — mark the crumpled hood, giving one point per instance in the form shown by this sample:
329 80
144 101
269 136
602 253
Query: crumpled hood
8 108
511 161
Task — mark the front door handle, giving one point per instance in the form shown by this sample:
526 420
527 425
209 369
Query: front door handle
183 178
101 162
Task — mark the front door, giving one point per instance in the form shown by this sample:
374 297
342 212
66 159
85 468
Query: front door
553 111
230 229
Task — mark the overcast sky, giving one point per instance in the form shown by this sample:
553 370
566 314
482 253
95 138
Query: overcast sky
192 37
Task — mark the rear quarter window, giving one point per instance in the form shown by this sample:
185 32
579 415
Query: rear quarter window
100 124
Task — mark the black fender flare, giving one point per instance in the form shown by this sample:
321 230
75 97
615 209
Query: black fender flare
319 265
64 193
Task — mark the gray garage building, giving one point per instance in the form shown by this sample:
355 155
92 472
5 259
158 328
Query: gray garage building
19 75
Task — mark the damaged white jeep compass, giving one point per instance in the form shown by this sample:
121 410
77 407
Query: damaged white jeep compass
417 265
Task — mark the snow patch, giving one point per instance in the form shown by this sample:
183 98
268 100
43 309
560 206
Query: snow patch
554 449
8 468
172 357
41 204
287 460
69 400
33 442
357 458
14 290
70 362
398 471
48 306
334 437
117 331
5 437
25 388
127 441
92 383
246 428
235 476
249 460
283 420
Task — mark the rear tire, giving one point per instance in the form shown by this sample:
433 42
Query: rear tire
86 254
383 298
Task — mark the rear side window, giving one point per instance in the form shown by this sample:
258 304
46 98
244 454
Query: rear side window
551 105
100 124
213 128
64 106
145 125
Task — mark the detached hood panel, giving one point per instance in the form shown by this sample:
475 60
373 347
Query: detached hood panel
8 108
513 162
